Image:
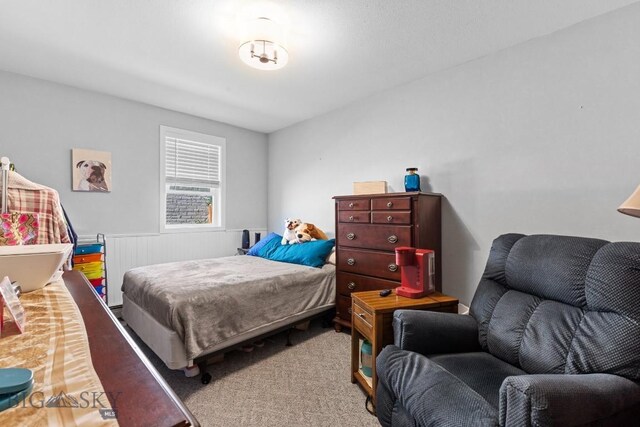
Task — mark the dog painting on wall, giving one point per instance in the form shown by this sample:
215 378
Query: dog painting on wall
92 170
92 176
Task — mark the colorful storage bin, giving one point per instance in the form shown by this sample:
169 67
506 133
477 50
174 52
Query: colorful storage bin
89 258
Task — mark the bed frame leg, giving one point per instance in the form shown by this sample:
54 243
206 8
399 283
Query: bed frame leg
327 319
206 376
289 343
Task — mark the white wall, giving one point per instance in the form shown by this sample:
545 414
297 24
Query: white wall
539 138
40 122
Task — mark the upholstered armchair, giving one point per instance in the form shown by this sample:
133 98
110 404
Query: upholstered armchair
552 338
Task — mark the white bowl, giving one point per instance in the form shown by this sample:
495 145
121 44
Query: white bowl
32 265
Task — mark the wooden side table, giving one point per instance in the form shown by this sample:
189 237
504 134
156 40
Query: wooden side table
372 317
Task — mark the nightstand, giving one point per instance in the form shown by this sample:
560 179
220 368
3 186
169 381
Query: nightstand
371 319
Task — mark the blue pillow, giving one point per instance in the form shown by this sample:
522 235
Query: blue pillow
255 248
312 253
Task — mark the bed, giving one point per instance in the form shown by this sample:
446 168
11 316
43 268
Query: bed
185 311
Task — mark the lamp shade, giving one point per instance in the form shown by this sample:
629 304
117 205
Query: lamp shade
631 206
263 44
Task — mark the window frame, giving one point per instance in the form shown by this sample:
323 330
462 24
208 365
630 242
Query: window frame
171 132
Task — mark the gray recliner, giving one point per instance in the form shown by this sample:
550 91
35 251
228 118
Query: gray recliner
553 338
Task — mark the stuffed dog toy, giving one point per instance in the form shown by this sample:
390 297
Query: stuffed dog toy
92 176
289 235
307 231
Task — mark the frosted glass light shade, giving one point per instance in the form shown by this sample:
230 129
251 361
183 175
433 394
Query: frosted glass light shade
262 45
631 206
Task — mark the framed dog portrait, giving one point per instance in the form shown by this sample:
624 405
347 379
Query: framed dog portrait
91 170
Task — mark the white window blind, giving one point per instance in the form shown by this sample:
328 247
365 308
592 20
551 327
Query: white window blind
191 161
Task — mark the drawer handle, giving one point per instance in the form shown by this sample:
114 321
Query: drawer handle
389 218
392 239
351 261
393 267
351 236
389 204
349 310
351 218
361 315
351 205
351 286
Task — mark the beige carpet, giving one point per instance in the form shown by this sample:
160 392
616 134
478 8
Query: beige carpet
304 385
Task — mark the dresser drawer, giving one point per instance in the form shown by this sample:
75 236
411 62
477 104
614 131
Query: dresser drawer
343 307
377 264
354 216
348 282
363 320
354 205
384 203
391 217
382 237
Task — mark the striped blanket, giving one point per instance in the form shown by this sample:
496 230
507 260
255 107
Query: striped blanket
67 390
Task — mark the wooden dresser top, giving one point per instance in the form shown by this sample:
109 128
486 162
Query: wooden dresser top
373 196
378 304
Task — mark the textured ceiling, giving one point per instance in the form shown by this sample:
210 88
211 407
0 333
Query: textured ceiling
182 54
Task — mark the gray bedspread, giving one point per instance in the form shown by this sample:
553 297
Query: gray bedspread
208 301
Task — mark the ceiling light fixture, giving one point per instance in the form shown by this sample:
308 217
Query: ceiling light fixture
263 45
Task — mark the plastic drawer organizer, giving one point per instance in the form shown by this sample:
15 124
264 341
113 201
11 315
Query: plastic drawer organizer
90 259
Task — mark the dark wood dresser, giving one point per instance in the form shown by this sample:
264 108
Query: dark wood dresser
368 229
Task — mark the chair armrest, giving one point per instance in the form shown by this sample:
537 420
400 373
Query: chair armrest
414 391
432 332
534 400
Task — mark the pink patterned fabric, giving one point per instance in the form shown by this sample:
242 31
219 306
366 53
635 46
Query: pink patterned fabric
27 197
18 228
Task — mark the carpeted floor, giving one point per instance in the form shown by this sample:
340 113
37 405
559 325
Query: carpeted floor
304 385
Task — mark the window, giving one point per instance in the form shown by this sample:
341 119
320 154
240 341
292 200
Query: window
192 190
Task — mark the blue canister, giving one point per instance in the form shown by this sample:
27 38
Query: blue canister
412 180
365 358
